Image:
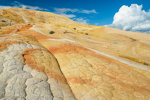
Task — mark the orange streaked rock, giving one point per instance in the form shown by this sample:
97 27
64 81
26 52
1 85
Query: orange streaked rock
5 44
76 62
33 58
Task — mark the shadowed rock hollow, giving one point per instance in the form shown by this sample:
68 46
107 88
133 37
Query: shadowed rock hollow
44 56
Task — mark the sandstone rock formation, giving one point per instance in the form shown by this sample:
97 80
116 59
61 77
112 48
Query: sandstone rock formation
77 62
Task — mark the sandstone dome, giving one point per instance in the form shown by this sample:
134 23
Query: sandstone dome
75 62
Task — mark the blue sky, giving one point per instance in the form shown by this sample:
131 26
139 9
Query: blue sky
94 12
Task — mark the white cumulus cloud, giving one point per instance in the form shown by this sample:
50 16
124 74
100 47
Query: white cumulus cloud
64 11
82 20
132 18
17 4
88 11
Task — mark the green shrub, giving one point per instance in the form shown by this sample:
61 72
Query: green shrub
51 32
145 63
74 28
3 20
86 34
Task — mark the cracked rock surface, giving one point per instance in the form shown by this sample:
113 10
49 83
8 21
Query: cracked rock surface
69 65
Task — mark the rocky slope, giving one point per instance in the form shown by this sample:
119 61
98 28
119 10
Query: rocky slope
44 56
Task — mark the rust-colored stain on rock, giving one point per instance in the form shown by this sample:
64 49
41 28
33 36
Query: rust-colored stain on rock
74 62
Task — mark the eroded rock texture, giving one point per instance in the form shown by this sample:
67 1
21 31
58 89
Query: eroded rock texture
76 62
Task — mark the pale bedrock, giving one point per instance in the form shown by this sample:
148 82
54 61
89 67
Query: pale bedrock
40 90
58 90
27 68
1 64
12 62
16 85
37 87
39 75
21 82
61 91
51 74
2 89
12 76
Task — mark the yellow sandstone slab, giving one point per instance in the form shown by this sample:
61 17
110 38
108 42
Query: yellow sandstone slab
76 62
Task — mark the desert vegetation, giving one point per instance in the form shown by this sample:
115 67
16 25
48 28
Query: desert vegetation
51 32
